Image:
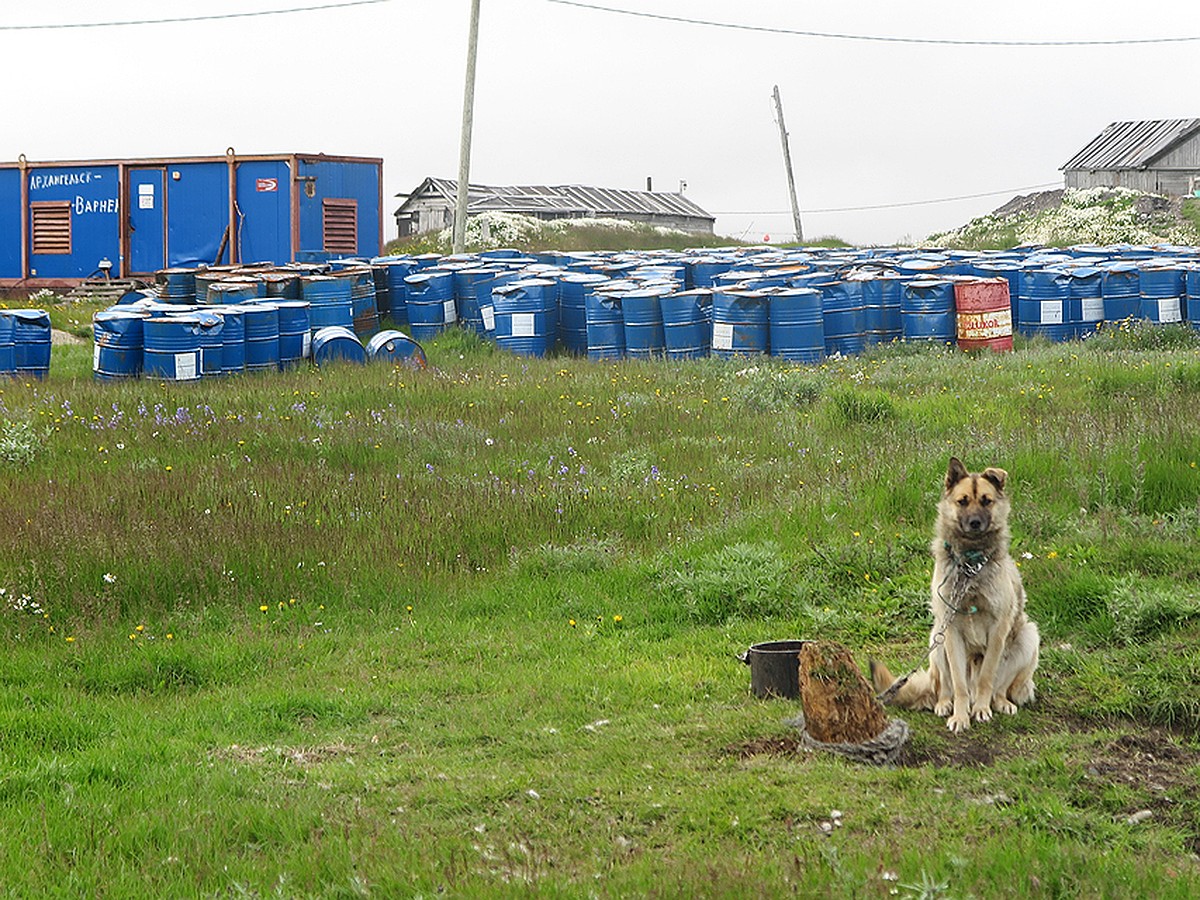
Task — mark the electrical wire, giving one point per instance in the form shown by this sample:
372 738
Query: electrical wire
53 26
835 209
877 38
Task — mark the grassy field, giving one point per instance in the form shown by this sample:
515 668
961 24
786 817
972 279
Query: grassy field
472 631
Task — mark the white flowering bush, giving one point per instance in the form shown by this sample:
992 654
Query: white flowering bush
1099 215
20 442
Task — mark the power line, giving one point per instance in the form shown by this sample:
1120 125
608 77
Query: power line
878 38
53 26
833 209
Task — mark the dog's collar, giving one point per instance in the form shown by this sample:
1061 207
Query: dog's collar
969 563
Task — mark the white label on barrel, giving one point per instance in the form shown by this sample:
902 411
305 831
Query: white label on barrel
1169 310
1093 309
984 326
522 325
722 336
306 347
489 318
95 357
450 311
1052 312
185 366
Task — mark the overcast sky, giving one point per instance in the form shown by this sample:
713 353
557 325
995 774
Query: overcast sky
567 95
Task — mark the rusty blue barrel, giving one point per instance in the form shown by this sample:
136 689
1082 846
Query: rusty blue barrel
230 293
30 342
1045 304
605 325
176 285
1120 288
362 299
212 342
295 332
397 348
337 344
262 335
844 317
740 322
233 339
797 318
117 347
641 311
329 301
927 311
687 323
281 285
171 347
431 305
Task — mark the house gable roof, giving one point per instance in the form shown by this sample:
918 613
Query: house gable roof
1132 145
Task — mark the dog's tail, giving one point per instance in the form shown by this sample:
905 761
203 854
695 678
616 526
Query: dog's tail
916 693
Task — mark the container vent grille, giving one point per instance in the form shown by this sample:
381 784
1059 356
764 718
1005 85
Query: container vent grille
51 231
339 221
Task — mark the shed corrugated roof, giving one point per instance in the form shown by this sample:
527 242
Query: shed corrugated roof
569 199
1132 145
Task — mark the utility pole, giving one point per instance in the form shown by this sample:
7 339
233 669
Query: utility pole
787 162
459 240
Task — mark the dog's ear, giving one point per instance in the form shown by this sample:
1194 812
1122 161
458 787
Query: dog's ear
956 473
996 476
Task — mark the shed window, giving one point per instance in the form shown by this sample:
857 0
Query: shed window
51 226
339 222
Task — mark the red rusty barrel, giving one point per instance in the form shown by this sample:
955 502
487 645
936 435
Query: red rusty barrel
984 314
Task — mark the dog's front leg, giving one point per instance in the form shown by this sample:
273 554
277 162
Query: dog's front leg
956 659
981 706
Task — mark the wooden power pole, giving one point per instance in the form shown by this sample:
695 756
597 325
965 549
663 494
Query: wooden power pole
459 239
787 162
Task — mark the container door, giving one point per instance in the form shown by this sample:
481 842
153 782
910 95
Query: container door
147 221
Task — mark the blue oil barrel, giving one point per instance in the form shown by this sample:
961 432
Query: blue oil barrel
329 301
467 281
172 347
282 285
1086 291
641 310
31 342
881 307
337 344
212 342
176 285
740 322
706 269
927 311
396 270
431 305
845 317
295 332
797 318
230 293
1046 306
924 266
1192 288
362 299
1121 290
605 325
687 323
233 339
572 309
6 343
1162 291
521 317
118 343
397 348
262 336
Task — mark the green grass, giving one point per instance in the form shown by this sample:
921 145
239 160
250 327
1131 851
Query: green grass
474 630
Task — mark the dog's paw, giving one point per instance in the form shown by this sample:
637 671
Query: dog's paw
1002 704
943 708
981 712
958 724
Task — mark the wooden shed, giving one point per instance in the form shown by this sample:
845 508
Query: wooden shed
430 206
1157 157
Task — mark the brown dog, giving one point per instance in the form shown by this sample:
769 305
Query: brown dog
983 649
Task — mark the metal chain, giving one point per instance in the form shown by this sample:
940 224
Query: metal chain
965 572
